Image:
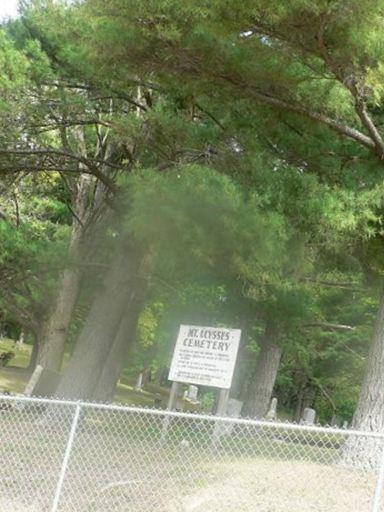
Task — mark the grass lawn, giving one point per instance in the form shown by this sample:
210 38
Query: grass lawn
22 353
14 377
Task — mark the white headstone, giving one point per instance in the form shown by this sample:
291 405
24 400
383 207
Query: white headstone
272 413
192 393
20 341
309 416
139 382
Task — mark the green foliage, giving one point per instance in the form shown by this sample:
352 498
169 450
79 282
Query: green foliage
198 216
244 197
33 238
6 358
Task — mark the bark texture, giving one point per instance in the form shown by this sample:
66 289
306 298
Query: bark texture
123 342
262 382
35 353
57 325
369 414
365 452
100 327
84 212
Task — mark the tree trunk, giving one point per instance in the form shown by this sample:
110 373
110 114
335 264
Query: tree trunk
369 414
242 367
57 325
161 375
56 328
122 344
100 328
299 406
261 385
34 355
241 371
306 398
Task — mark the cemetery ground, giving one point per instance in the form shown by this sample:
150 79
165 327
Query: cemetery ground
264 486
14 377
120 462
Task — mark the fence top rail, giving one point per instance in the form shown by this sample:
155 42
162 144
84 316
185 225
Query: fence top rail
194 416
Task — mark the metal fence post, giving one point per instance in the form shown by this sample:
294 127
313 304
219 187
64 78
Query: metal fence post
379 484
67 454
222 407
172 404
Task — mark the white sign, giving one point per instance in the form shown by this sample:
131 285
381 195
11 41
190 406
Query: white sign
205 356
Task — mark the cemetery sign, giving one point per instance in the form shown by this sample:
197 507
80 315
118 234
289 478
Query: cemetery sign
205 356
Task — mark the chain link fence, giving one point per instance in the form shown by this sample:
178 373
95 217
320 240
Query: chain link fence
78 457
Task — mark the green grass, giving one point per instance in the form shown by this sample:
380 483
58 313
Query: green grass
22 353
127 395
14 377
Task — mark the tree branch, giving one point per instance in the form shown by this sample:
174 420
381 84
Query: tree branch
336 126
352 85
89 163
370 126
372 142
330 326
335 284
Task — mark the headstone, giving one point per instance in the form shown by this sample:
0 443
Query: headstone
192 393
139 382
309 416
272 413
20 341
233 411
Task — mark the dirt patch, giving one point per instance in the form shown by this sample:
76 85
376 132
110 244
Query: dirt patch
258 485
14 506
268 486
262 486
